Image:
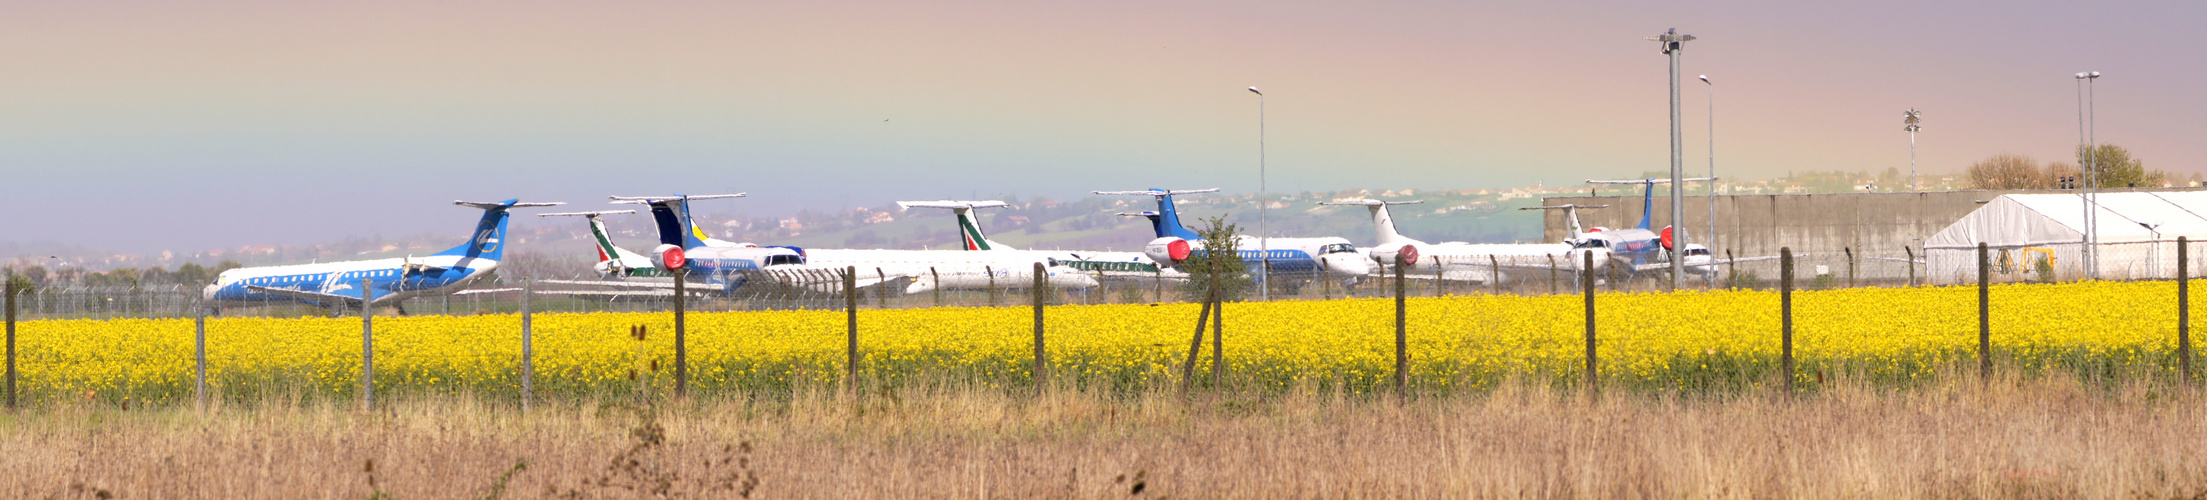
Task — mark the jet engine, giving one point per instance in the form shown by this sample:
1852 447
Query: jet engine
1167 251
668 257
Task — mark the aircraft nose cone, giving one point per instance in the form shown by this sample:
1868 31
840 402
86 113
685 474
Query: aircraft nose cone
1075 279
208 294
1347 265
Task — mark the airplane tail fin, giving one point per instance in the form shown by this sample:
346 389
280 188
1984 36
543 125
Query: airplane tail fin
672 215
1156 222
969 227
488 239
1570 217
1382 220
1168 216
604 240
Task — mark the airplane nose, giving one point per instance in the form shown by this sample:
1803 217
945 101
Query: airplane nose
208 294
1347 265
1074 279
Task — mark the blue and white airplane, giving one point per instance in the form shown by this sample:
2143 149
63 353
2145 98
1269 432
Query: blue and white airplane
337 285
1315 258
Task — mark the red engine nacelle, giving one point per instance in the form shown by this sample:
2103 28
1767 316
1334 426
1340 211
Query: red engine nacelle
1408 252
1667 238
668 257
1168 251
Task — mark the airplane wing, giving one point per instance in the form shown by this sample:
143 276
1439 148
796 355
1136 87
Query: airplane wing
316 297
665 285
484 290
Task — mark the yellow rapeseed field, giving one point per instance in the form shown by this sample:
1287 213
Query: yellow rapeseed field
1684 341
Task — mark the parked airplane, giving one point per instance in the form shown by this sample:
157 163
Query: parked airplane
338 285
1314 258
1101 263
1642 249
923 270
1458 260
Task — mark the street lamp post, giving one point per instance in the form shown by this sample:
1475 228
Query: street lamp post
1264 239
1672 42
2086 159
1912 121
1712 236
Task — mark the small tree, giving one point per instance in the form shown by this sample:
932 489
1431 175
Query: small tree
1220 258
2112 166
2008 171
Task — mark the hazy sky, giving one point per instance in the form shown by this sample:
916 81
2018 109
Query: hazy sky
188 125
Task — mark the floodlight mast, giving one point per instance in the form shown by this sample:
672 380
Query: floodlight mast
2087 158
1912 121
1264 239
1672 42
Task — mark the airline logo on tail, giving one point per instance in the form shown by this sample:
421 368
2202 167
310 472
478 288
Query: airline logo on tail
969 229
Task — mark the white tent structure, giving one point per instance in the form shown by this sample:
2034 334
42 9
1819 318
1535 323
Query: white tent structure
2137 236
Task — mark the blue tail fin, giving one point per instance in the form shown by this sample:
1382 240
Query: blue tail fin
673 218
488 239
1647 204
1168 220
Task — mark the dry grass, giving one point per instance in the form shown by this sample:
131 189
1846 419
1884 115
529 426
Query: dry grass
2035 438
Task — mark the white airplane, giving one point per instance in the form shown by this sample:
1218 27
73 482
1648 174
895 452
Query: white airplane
923 270
1100 263
337 285
1481 262
1642 249
1311 258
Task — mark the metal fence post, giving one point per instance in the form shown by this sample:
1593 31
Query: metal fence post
367 347
528 347
1042 359
2183 311
1785 314
1592 384
1402 340
1984 313
850 322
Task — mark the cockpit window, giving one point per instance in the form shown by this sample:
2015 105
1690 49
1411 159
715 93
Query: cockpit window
1592 243
1336 248
776 260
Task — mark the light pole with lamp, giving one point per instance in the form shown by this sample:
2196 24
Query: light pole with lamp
1264 249
1672 42
2086 159
1912 121
1712 236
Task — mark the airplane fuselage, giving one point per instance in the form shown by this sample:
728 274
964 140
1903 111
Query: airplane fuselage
388 280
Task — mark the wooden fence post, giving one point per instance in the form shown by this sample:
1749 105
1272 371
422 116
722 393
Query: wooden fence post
1042 358
367 347
1911 265
1592 384
881 290
1850 265
2183 311
1218 334
1494 275
1785 313
1984 313
1552 285
1158 275
681 341
1731 274
1195 346
938 277
1402 340
199 358
9 287
528 347
1440 275
850 322
993 297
